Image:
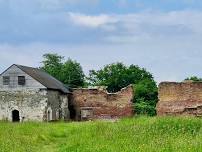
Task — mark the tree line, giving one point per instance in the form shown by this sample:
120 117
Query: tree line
114 76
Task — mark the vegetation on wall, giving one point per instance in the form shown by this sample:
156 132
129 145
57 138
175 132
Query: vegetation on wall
117 75
194 78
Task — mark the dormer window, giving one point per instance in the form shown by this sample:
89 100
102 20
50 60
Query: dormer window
21 80
6 80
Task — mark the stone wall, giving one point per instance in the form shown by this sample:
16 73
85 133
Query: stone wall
180 98
99 104
31 104
53 106
34 105
58 105
64 107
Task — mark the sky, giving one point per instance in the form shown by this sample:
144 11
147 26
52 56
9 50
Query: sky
163 36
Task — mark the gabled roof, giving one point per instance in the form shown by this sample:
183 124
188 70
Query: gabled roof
44 78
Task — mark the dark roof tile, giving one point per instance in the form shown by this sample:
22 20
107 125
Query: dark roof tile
44 78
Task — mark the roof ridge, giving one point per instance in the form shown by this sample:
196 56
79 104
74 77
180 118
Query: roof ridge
26 66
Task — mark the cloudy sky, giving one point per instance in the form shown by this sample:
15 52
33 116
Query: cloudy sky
163 36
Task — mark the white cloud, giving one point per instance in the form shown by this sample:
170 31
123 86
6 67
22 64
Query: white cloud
131 27
91 21
190 19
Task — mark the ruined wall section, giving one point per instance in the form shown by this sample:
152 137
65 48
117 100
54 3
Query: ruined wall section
98 103
57 105
180 98
31 104
53 106
64 106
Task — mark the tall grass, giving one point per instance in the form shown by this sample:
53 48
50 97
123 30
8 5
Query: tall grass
140 134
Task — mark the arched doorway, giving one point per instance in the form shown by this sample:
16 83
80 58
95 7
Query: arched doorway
15 116
49 114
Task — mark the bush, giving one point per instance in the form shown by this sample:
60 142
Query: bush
146 97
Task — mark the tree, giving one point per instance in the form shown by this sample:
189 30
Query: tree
52 64
72 74
194 78
146 97
69 72
111 76
116 76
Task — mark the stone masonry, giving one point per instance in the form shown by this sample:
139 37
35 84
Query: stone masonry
31 104
99 104
180 98
34 105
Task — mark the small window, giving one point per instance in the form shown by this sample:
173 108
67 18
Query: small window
6 80
21 80
86 113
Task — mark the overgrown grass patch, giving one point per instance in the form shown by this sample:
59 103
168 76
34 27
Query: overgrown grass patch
138 134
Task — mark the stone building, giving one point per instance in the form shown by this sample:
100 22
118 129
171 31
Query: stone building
31 94
97 103
183 98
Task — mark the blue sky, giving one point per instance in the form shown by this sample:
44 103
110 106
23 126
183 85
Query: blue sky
163 36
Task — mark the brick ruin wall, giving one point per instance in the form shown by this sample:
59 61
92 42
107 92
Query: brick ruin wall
180 98
99 104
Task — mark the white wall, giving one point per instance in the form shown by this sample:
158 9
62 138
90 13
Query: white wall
31 104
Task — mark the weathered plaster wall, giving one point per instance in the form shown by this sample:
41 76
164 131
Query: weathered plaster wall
180 98
34 105
98 104
58 105
53 104
31 104
64 106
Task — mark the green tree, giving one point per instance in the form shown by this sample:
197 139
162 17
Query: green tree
72 74
116 76
69 72
194 78
53 64
111 76
146 97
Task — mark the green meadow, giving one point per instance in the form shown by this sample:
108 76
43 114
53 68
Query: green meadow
138 134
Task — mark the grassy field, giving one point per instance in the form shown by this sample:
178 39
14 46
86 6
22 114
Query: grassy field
141 134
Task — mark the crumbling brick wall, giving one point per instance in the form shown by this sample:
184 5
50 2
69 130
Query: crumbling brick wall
180 98
99 104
